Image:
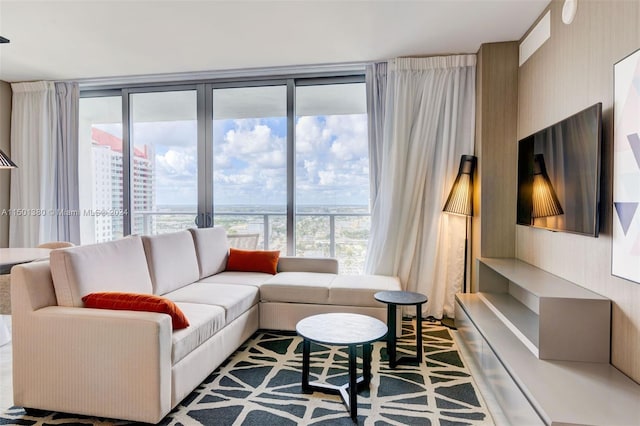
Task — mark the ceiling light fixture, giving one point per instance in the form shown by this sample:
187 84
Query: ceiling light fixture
4 40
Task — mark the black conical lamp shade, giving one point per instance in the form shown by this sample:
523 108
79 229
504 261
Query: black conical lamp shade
5 161
460 199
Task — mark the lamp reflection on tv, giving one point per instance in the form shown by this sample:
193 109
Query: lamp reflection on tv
545 202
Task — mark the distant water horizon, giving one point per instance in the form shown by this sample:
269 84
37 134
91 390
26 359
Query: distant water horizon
268 208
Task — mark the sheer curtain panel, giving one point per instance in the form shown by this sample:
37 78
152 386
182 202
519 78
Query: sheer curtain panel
376 81
428 124
67 195
42 121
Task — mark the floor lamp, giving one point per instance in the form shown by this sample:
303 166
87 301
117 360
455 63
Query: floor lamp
460 202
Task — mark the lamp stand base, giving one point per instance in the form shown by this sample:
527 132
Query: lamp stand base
448 322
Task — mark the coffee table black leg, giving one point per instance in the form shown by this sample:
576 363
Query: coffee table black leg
391 334
306 350
418 333
366 365
353 383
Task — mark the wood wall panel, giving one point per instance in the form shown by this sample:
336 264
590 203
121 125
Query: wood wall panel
572 70
495 185
5 145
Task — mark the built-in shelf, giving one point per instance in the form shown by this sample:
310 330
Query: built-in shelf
532 391
542 344
535 280
521 320
554 318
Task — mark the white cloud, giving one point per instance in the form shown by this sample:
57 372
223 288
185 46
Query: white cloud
327 177
176 163
233 179
331 161
311 135
351 136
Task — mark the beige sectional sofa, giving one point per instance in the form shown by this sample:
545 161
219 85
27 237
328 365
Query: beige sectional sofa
132 365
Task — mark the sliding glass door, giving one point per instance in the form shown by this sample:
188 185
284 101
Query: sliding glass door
163 158
332 173
100 169
250 162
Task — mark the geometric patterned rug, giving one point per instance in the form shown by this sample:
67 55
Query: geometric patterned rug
260 385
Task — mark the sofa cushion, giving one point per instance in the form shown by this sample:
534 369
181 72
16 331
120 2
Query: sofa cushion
308 264
172 260
358 290
212 249
235 299
297 287
235 277
118 265
253 261
137 302
205 321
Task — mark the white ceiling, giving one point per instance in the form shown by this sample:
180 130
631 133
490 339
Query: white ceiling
69 40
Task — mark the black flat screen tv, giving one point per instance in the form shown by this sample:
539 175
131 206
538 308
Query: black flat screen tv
559 175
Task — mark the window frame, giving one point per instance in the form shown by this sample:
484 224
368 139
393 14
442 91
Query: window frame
204 98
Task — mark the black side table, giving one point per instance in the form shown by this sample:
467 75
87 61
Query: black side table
393 299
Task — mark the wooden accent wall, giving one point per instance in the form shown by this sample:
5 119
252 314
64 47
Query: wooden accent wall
573 70
5 145
495 185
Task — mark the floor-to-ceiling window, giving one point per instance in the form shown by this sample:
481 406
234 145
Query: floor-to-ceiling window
250 162
332 173
164 173
100 169
285 159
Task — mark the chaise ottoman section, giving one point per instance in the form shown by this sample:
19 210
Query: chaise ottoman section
291 296
358 290
297 287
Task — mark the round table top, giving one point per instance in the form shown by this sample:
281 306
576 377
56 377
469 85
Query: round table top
341 329
400 297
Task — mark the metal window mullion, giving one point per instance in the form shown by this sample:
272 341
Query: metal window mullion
127 165
201 119
291 168
209 151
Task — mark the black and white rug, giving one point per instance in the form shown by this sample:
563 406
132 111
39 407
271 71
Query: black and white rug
260 385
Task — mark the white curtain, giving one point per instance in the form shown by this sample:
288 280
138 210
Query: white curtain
67 193
429 123
41 122
376 82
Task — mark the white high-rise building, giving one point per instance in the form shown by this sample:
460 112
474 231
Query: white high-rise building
108 204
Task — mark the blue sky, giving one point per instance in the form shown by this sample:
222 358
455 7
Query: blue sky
250 159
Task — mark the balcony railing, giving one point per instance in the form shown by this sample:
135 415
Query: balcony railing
340 235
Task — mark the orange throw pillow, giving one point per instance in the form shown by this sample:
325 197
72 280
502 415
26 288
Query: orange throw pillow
137 302
253 261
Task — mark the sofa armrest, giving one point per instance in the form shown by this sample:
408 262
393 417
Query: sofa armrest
96 362
325 265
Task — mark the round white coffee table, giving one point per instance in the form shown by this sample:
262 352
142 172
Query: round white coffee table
339 329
